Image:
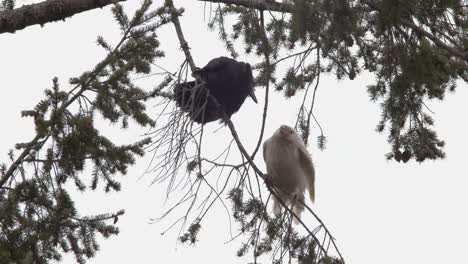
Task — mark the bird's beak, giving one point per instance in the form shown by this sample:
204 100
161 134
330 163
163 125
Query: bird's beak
283 130
252 94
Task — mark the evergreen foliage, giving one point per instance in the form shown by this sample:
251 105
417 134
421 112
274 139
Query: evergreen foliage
274 235
7 5
38 218
416 48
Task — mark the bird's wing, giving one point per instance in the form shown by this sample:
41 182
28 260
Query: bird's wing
216 64
182 93
307 166
265 149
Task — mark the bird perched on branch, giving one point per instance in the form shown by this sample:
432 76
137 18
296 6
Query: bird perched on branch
227 80
289 168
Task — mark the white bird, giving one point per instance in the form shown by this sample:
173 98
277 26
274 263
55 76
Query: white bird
289 168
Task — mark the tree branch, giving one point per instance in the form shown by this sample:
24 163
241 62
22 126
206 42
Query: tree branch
288 8
258 4
436 40
19 160
45 12
406 22
180 34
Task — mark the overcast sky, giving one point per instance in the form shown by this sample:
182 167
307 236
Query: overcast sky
379 211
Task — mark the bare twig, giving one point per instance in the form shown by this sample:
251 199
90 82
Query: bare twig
267 85
180 35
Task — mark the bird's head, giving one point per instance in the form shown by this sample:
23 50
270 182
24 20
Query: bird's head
286 130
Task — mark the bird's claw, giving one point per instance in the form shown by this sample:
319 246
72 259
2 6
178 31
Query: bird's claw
269 180
196 72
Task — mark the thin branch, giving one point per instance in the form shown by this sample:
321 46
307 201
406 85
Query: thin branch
313 97
311 47
20 159
84 87
180 35
267 86
436 40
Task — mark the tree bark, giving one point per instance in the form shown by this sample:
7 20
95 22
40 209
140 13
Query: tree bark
45 12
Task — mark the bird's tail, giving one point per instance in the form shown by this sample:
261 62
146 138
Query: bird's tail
182 94
195 102
298 206
277 204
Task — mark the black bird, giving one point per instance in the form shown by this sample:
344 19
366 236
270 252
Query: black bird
227 80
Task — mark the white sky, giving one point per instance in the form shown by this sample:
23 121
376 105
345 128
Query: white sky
379 212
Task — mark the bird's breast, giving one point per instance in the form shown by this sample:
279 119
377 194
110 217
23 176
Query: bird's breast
283 165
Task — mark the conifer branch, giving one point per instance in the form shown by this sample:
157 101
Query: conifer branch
288 8
20 159
34 142
38 206
420 30
258 4
436 40
45 12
